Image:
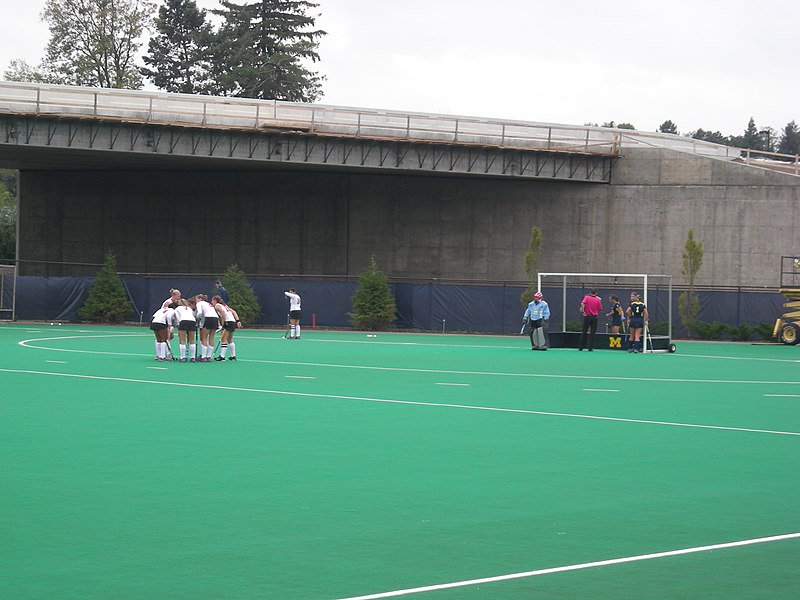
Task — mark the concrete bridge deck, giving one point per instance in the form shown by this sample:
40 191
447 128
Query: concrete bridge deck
50 126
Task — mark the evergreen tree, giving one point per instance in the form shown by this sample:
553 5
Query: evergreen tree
260 49
373 303
752 138
107 301
668 127
692 260
790 139
710 136
241 296
180 52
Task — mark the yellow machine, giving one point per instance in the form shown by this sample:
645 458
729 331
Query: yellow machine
787 327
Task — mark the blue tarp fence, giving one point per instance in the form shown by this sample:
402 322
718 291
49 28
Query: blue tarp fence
427 306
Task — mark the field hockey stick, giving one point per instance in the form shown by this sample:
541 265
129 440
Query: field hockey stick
288 327
521 331
170 356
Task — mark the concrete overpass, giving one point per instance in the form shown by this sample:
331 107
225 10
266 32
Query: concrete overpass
45 126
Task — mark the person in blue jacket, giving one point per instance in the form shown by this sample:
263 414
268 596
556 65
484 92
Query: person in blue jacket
536 315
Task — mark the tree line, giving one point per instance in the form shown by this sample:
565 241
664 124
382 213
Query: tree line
766 139
259 49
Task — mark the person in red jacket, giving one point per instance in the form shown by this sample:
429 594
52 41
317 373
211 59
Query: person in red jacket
591 306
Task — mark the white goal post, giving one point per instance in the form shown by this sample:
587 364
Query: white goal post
623 283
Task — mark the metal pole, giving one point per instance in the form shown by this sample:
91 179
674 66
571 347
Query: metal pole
646 327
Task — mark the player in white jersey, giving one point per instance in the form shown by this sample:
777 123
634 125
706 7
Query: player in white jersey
160 326
172 301
186 322
231 323
208 320
294 313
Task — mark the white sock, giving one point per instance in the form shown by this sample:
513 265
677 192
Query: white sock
232 346
293 331
161 349
183 351
223 350
297 330
192 350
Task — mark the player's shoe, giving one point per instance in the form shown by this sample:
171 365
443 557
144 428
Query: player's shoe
218 358
231 358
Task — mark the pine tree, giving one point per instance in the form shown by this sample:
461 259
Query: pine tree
107 301
180 53
241 296
373 303
752 138
790 139
668 127
260 49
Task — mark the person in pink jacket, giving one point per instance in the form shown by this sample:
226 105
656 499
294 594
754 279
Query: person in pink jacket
591 306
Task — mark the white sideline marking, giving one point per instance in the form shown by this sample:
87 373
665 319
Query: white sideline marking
782 395
298 377
597 390
576 567
158 368
456 384
58 362
406 402
26 343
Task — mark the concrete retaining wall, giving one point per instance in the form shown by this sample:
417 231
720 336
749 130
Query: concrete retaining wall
330 223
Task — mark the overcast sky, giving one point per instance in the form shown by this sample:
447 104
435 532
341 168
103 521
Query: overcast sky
700 63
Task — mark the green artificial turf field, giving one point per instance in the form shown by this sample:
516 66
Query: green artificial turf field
436 467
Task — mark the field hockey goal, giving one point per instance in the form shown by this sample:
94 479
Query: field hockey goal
564 292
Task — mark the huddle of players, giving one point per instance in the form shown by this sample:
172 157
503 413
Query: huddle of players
190 315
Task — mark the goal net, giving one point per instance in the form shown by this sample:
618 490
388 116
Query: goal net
564 292
8 283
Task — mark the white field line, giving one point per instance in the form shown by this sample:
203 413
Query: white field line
27 344
58 362
597 390
455 384
405 402
782 395
298 377
576 567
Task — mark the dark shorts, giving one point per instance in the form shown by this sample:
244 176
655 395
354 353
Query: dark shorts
229 326
187 326
616 320
211 323
158 326
294 315
536 323
636 322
